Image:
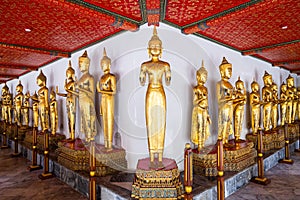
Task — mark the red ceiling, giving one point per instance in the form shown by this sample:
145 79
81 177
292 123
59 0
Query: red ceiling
61 27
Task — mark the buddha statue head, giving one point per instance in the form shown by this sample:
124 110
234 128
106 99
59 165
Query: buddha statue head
27 95
41 79
225 69
34 97
239 84
84 62
267 79
70 72
274 87
155 45
19 87
254 86
202 74
5 90
290 81
283 87
105 62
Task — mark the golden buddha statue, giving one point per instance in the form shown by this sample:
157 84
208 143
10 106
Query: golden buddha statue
255 107
274 110
9 106
155 105
53 112
4 93
70 99
200 116
225 101
25 109
107 86
86 99
283 103
291 109
267 96
18 102
298 104
35 110
239 105
43 101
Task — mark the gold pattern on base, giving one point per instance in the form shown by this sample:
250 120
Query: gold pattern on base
162 183
237 156
75 156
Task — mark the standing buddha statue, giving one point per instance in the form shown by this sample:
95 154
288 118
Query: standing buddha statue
18 102
291 109
225 101
267 96
155 104
298 103
43 101
9 106
25 109
35 110
255 107
53 113
239 105
70 99
274 110
107 86
283 103
4 93
200 116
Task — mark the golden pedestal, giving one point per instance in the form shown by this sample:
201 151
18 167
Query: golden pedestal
273 139
75 156
162 183
22 132
293 131
53 140
237 156
11 130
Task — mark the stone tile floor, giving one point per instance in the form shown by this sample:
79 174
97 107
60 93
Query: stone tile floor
16 182
284 184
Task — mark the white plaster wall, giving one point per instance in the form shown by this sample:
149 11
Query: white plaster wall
184 53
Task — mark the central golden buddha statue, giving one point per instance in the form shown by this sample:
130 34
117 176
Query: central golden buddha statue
255 107
283 103
200 116
239 105
70 99
267 96
155 98
86 99
107 86
18 102
291 108
225 97
43 99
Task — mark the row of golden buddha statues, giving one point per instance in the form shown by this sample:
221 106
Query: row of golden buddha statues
231 101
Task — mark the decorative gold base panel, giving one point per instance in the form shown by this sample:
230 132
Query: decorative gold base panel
53 140
273 139
237 156
75 156
160 183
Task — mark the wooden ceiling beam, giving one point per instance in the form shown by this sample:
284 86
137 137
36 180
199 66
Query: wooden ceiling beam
8 75
286 63
250 52
36 50
21 67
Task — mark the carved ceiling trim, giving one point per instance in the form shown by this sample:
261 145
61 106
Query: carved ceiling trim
267 48
36 50
18 67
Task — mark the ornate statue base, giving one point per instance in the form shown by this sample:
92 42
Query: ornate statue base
293 131
157 183
75 156
53 140
11 130
22 132
237 156
272 139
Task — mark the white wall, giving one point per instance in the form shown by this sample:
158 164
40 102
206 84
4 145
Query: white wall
184 53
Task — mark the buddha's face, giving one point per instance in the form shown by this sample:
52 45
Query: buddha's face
226 71
39 82
254 87
239 85
155 48
201 77
268 80
69 74
4 91
283 88
84 64
274 87
105 65
19 88
52 96
290 82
